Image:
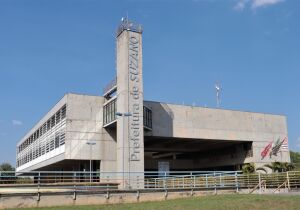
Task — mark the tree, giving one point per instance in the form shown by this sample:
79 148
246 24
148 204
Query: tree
280 166
275 166
6 167
295 159
288 166
248 168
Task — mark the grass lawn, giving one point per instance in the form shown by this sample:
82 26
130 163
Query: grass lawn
239 202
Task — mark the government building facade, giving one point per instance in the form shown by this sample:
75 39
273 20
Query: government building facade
121 132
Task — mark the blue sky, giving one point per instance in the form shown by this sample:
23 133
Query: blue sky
51 47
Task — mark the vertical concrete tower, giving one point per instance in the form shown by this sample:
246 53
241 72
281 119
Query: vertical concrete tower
130 132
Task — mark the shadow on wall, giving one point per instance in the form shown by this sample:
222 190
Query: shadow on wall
111 132
162 119
222 158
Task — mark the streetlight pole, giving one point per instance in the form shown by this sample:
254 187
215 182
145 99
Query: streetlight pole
123 115
91 143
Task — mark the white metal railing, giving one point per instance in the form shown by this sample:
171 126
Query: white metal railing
58 181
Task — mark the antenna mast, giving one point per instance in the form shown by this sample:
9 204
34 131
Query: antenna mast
218 91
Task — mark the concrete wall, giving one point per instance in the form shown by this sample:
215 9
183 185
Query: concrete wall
180 121
31 201
84 123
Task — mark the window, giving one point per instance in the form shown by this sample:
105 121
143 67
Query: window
43 148
57 116
41 130
30 155
44 128
104 116
57 137
52 121
48 125
40 150
36 152
62 138
51 143
109 112
147 117
47 146
63 112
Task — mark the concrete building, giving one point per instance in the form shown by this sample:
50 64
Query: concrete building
134 135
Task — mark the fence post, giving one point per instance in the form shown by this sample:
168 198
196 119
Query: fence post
165 179
259 183
137 180
194 181
191 182
173 182
206 181
215 182
236 182
288 180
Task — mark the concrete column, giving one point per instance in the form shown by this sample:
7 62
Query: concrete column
130 135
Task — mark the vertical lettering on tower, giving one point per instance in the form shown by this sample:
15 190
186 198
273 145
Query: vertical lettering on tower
135 106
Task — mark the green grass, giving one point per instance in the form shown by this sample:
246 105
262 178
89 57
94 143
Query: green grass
239 202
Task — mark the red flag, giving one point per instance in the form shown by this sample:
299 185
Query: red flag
265 152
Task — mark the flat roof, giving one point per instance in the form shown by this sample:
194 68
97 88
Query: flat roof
221 109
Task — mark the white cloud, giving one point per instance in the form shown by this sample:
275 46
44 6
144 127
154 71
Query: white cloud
263 3
17 122
240 5
254 4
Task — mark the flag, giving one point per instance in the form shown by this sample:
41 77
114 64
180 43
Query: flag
285 146
266 150
276 147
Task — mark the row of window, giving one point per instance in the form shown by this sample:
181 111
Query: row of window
51 143
50 123
109 112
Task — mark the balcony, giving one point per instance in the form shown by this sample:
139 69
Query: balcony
109 115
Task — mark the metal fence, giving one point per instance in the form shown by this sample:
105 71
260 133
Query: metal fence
227 180
57 181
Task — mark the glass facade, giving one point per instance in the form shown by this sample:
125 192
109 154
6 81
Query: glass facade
110 109
109 112
48 137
